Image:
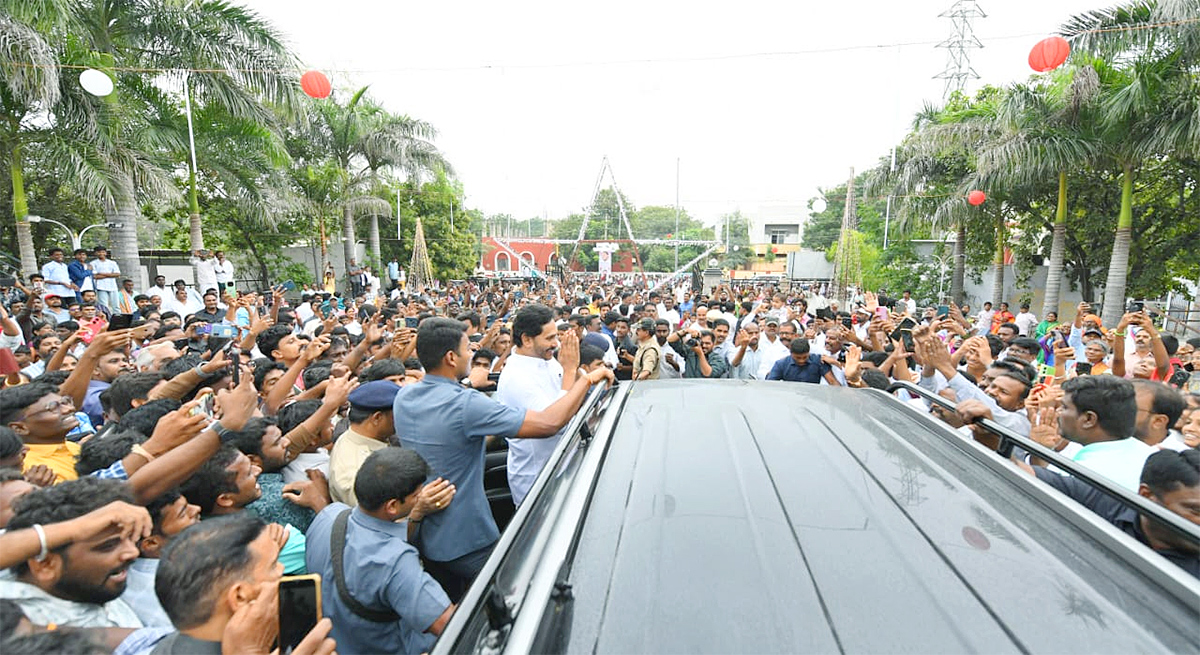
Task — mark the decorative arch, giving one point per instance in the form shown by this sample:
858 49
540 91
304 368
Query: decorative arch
502 261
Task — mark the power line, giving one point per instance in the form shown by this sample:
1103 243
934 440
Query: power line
605 62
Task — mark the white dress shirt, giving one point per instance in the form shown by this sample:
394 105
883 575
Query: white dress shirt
206 275
57 279
528 383
771 353
223 271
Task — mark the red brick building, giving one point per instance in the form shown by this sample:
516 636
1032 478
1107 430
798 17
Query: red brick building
539 254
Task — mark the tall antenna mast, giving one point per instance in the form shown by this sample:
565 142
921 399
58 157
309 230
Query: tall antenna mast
959 46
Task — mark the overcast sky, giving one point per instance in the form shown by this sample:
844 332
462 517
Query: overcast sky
528 97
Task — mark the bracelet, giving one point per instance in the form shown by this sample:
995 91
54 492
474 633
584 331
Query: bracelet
142 452
1119 333
199 370
41 533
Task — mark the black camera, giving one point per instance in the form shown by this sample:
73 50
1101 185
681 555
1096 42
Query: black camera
691 344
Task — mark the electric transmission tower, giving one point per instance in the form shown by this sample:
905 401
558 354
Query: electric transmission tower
959 46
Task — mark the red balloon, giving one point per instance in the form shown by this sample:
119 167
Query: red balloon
1049 54
976 197
316 84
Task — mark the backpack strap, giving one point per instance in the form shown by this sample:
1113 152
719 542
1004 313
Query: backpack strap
337 546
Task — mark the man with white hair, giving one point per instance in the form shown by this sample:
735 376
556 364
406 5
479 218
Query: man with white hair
153 358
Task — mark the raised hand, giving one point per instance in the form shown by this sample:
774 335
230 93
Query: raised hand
238 404
132 521
176 428
313 351
568 351
339 389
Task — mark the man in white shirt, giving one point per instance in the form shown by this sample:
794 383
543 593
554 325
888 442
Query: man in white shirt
104 276
1026 321
533 380
666 309
983 322
58 277
910 305
160 289
772 347
223 268
206 274
181 303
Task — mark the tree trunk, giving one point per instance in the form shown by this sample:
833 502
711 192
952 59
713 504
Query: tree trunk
998 265
21 213
1057 247
195 231
265 284
960 265
376 253
1118 267
124 234
348 235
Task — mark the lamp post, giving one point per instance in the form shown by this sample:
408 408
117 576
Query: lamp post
76 237
943 264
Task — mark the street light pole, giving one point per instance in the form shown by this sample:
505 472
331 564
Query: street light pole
76 239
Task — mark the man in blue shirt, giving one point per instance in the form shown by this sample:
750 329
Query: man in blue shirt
447 424
381 600
802 366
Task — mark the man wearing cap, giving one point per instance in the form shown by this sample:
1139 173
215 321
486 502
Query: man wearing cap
646 364
54 312
771 346
371 426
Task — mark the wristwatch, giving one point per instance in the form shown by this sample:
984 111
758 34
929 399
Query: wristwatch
223 433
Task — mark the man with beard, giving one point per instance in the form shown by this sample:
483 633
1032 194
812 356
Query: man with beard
171 513
1004 397
78 584
534 379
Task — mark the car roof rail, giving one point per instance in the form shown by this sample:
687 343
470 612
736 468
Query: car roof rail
500 610
1010 439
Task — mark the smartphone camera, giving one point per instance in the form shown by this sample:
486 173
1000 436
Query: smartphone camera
299 609
1135 307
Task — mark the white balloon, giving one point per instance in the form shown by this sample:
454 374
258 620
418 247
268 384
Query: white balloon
96 82
819 205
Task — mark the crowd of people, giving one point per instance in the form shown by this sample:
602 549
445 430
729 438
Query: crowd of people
167 456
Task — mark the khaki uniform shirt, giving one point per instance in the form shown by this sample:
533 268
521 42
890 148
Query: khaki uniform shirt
647 358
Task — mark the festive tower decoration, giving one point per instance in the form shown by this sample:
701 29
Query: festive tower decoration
420 272
847 265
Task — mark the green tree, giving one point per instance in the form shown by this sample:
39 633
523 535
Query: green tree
1148 107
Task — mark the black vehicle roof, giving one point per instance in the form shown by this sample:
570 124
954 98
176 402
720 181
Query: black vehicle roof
778 517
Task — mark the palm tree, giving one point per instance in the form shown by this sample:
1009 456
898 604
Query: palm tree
1043 135
28 80
1148 105
243 59
936 171
361 139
